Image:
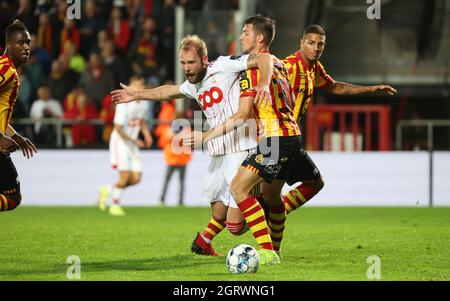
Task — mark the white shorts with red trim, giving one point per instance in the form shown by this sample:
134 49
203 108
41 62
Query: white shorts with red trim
125 155
221 171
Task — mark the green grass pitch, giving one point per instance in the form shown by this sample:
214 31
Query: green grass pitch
320 243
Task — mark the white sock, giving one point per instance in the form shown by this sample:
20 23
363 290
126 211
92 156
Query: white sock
116 195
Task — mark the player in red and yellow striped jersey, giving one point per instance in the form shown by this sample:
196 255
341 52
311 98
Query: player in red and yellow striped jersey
305 74
17 52
278 135
276 119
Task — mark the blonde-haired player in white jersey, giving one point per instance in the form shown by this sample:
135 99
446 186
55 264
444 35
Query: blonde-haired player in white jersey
129 120
215 86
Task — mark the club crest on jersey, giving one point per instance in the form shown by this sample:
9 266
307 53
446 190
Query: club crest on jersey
259 158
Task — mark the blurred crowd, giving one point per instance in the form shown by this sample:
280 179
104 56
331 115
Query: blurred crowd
74 64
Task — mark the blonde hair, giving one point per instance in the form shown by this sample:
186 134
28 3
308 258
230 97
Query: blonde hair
193 41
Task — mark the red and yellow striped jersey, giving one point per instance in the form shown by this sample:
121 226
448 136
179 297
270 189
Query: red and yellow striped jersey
303 79
275 119
9 89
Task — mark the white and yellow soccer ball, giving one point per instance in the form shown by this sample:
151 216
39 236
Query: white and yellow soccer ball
242 259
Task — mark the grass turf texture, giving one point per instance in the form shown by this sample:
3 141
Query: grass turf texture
154 244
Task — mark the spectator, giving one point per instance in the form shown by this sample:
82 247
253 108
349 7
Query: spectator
166 22
70 33
45 107
45 35
57 21
90 25
81 110
118 66
26 15
62 79
102 39
119 29
77 63
135 11
145 55
42 55
97 80
35 73
25 96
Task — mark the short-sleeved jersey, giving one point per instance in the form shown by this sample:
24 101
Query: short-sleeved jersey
131 115
9 89
303 79
218 97
275 119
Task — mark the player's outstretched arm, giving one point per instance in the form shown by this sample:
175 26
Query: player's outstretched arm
127 94
342 88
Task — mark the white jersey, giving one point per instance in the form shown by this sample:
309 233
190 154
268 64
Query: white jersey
124 154
131 116
218 97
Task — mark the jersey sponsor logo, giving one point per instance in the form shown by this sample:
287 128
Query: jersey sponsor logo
245 84
235 57
208 98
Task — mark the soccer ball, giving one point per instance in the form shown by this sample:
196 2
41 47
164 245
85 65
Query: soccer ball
242 259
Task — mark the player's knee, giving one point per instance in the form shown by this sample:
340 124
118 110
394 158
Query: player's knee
237 229
237 190
134 181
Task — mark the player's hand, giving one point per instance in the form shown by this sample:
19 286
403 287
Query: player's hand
262 97
385 88
126 94
7 144
194 139
25 145
139 143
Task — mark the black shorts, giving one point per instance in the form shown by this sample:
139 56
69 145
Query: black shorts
273 156
9 179
302 168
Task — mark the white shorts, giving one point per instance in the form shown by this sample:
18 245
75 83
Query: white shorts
125 156
221 170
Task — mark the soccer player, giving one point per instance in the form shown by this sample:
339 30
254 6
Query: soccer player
129 120
305 73
18 42
278 135
215 86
